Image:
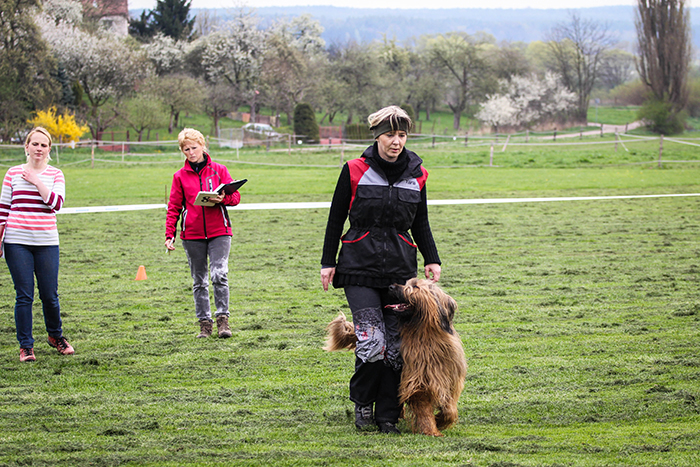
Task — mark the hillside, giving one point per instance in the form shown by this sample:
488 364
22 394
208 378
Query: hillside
526 25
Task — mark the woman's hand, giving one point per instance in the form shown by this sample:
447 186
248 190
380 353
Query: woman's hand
433 268
170 244
30 176
217 199
327 277
34 179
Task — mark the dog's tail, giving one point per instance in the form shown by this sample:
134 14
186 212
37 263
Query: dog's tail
340 335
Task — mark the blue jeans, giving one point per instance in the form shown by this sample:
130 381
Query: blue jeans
25 262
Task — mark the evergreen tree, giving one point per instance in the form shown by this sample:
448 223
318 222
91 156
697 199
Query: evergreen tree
142 28
171 18
67 94
305 123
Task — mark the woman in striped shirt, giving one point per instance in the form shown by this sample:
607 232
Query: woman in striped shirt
31 195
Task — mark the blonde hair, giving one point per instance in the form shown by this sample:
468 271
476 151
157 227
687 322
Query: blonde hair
190 134
397 118
43 131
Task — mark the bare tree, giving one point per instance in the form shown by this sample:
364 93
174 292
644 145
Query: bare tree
143 112
460 59
179 92
577 48
664 47
358 73
290 68
617 67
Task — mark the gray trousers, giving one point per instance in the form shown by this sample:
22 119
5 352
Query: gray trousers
217 249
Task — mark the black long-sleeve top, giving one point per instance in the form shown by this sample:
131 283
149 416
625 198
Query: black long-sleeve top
420 228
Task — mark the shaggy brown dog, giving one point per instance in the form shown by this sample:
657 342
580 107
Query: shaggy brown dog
434 365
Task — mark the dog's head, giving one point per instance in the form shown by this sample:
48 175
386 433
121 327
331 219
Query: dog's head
421 301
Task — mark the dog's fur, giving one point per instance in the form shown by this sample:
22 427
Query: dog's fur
434 365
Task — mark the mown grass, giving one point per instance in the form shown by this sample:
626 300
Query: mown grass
580 322
613 114
573 151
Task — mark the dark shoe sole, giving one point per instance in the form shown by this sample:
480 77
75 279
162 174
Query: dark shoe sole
389 428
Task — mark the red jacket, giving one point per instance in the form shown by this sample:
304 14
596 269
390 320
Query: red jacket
199 222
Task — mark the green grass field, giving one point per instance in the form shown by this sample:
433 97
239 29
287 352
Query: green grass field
440 123
612 115
580 322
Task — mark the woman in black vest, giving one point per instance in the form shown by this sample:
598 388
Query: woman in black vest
383 194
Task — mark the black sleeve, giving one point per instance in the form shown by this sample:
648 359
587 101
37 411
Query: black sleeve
336 218
422 234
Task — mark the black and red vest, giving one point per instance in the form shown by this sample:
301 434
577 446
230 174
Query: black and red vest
378 244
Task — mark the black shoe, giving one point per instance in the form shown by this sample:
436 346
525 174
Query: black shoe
389 428
364 417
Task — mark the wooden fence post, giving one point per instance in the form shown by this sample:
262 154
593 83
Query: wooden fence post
661 148
491 158
506 145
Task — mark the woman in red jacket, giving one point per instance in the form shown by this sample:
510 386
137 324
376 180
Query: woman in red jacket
205 231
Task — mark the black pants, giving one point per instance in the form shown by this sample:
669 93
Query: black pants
378 361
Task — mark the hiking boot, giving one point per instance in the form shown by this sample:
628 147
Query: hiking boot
205 328
222 326
389 428
26 355
364 417
61 344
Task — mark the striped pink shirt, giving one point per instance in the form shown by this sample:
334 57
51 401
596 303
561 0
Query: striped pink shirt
28 219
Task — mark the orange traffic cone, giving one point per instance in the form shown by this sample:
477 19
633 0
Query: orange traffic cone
141 275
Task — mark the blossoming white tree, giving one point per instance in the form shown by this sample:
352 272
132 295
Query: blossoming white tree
165 53
527 100
66 11
231 58
104 66
233 54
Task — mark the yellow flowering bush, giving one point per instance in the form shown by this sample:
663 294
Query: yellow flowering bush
63 127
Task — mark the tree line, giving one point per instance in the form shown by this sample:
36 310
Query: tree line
55 54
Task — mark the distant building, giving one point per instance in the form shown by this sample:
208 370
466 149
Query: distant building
112 14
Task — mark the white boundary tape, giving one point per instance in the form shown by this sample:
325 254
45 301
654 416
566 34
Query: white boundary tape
326 205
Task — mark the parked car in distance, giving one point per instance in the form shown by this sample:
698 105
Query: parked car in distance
260 131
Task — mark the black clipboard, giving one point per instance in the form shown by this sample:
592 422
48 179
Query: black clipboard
202 198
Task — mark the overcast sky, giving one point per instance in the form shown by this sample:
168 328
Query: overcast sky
402 4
